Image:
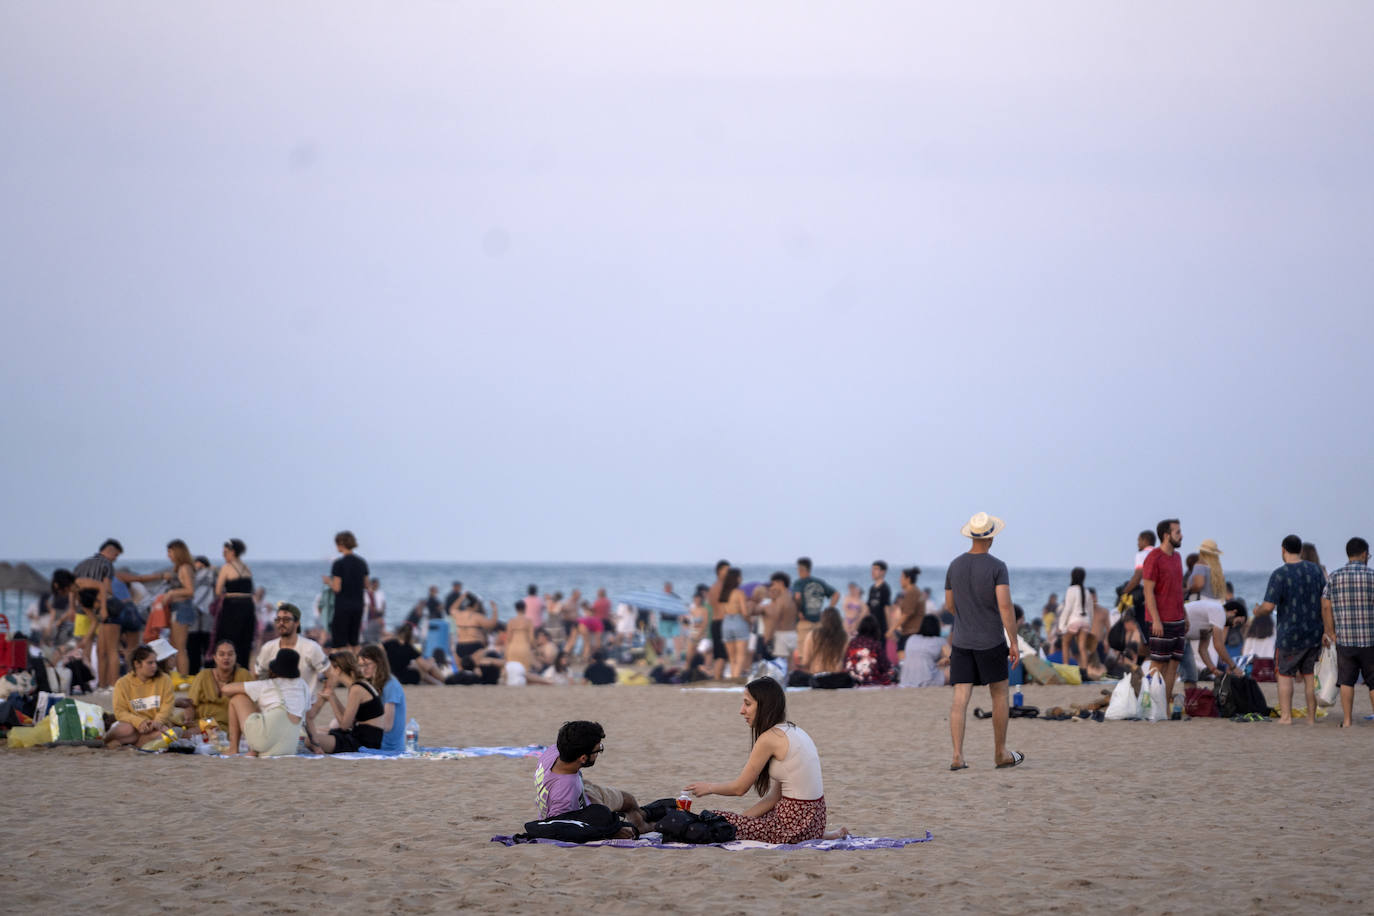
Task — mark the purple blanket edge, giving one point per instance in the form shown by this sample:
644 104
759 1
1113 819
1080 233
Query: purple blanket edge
847 844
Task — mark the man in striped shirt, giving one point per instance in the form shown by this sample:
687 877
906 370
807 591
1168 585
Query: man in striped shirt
1348 620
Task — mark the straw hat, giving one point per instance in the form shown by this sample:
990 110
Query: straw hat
1209 546
982 526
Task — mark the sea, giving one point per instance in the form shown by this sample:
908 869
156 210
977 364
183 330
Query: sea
406 582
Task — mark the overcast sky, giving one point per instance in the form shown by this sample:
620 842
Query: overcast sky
668 281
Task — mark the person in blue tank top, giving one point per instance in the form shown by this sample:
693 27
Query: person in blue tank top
377 669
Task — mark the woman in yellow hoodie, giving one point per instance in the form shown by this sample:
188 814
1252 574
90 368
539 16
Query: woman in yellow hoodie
142 700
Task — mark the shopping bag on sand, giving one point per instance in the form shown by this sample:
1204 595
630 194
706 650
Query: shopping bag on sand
1040 670
1153 706
1069 674
1327 688
1124 703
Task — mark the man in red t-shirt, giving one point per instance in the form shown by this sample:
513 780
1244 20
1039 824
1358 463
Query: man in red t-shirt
1162 579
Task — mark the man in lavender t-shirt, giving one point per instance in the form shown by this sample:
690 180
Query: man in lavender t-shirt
558 783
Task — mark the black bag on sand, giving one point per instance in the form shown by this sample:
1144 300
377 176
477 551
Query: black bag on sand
678 826
656 809
1238 695
581 825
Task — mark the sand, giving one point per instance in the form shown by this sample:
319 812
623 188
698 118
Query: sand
1176 817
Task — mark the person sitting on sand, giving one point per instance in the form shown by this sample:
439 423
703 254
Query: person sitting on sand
865 659
558 674
206 695
559 786
783 767
472 627
268 712
373 664
312 662
142 700
927 656
599 672
823 652
359 718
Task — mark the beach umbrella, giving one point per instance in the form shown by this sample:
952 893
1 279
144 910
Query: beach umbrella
748 588
652 600
22 578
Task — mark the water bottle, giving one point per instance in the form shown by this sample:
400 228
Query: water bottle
1178 708
412 736
1016 698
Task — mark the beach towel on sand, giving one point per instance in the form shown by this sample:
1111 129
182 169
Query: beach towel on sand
439 753
433 753
655 841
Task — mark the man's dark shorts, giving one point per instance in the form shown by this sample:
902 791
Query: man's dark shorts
1170 646
1351 662
1296 662
978 667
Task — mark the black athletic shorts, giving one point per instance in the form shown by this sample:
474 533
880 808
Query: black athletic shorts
718 641
1296 662
1353 661
979 667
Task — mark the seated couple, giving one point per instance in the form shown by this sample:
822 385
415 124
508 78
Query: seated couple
783 767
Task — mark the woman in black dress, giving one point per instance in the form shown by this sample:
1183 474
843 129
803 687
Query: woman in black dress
237 621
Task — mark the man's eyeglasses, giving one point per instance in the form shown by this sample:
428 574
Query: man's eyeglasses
286 619
597 751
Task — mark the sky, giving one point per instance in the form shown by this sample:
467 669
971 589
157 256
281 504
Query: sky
672 281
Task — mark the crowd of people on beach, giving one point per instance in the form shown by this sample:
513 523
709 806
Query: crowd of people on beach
198 644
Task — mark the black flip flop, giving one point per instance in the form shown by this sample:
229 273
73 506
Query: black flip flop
958 766
980 714
1017 758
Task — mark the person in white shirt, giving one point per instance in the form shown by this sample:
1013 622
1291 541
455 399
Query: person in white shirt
1144 542
1074 624
1208 620
313 661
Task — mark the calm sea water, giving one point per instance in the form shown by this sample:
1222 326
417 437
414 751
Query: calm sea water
405 583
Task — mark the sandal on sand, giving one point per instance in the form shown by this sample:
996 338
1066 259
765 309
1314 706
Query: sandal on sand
958 766
980 714
1017 758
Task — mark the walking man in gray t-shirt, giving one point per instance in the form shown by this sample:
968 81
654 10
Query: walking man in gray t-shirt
983 640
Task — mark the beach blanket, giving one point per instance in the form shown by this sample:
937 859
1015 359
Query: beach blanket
438 753
655 841
431 753
739 689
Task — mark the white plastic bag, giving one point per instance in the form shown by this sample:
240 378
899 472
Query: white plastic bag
1124 704
1153 706
1327 687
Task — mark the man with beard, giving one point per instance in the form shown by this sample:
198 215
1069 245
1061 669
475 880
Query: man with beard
313 661
1165 619
558 783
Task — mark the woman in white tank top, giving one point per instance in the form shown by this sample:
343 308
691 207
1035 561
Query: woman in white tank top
785 770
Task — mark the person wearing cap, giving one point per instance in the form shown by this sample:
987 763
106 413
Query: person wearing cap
142 698
268 713
983 641
313 660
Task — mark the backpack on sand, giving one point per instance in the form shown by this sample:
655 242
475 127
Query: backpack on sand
580 825
679 826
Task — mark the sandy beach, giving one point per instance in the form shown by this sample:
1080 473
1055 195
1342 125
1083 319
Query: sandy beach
1175 817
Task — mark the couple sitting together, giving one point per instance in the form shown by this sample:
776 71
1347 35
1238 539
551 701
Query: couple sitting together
783 768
